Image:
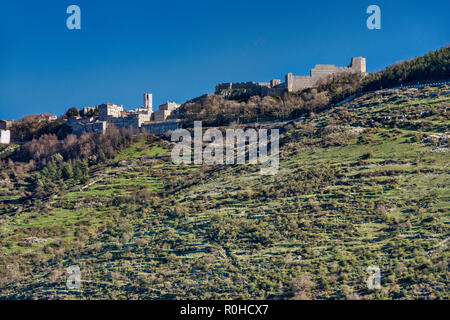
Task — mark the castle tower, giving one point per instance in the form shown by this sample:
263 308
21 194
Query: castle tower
148 101
359 64
289 79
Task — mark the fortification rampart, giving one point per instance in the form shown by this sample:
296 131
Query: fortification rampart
320 71
161 127
292 82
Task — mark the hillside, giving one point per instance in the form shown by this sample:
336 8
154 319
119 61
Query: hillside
366 183
433 66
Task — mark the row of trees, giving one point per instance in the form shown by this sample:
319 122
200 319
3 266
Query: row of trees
57 174
431 67
34 126
214 110
92 147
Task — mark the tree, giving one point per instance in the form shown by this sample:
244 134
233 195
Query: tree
72 112
67 170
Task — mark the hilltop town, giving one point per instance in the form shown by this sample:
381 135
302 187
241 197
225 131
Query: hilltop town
98 119
168 116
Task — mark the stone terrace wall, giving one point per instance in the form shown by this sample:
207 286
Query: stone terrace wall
161 127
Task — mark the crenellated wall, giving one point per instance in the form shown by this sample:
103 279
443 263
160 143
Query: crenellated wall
320 71
292 82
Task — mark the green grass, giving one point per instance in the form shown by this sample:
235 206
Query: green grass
64 221
227 232
140 149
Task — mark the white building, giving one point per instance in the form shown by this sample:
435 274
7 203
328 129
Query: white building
110 110
5 136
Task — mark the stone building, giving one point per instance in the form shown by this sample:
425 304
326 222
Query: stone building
110 110
112 115
80 126
165 110
161 127
320 71
292 83
140 115
86 111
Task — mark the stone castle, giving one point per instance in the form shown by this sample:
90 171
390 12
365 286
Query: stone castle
143 118
292 83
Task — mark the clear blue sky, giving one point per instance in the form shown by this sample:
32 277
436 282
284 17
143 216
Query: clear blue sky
178 50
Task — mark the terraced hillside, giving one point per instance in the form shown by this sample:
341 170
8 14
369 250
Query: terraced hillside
363 184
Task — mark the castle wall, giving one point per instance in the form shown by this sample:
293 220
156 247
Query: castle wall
296 83
161 127
272 91
224 86
127 122
250 85
292 82
358 64
323 70
320 71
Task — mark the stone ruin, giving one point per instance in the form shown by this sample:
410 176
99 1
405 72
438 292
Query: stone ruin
292 82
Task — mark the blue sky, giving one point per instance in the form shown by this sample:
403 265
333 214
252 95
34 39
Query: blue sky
178 50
